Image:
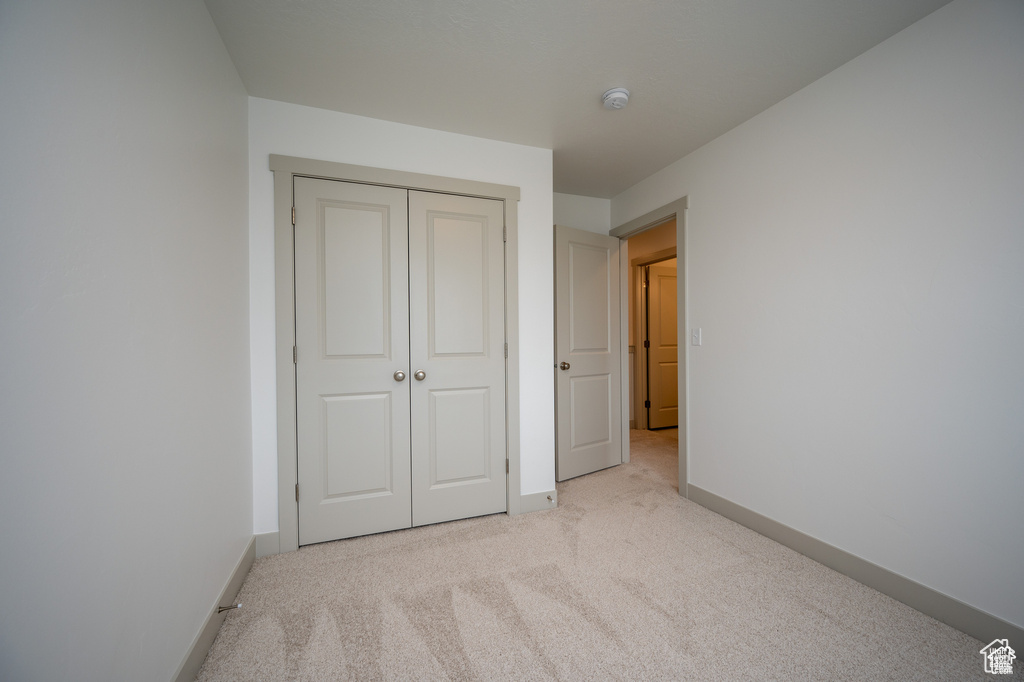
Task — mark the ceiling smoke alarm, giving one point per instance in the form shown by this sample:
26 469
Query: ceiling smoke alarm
616 98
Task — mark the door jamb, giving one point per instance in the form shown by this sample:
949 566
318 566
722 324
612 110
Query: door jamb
285 170
676 209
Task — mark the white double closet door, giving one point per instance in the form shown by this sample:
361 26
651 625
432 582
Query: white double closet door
400 370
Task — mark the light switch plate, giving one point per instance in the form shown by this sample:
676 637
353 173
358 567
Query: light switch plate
695 336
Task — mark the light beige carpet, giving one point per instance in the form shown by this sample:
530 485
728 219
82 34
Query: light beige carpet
624 580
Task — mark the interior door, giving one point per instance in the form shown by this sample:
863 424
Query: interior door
588 375
662 356
352 336
457 303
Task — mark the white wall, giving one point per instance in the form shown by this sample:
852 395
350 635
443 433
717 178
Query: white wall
125 492
856 262
583 213
292 130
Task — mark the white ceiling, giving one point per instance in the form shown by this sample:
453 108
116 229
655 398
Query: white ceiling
533 71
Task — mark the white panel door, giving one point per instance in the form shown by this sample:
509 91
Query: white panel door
662 356
457 304
588 374
352 335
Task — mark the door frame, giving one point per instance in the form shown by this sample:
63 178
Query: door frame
641 354
285 169
676 209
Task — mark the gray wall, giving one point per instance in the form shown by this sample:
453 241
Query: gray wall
856 263
125 459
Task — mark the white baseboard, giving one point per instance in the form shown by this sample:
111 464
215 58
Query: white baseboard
267 544
532 502
941 607
203 640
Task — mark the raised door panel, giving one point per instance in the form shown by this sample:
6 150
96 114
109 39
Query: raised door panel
457 339
587 385
590 406
457 285
352 334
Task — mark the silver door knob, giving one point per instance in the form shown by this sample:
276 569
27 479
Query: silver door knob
420 375
399 375
563 366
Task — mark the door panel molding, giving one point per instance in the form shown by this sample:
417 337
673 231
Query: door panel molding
662 356
472 435
285 169
455 292
365 408
588 396
352 416
457 316
589 418
352 265
636 268
589 266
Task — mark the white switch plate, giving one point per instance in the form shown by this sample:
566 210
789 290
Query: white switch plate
695 336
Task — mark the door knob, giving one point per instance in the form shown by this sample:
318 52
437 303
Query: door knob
420 375
399 375
563 366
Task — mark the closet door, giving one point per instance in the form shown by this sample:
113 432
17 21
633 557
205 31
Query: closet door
352 336
457 303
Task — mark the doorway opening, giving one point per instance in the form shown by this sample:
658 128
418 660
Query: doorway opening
653 345
286 171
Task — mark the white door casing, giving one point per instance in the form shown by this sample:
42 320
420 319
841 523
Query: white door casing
458 338
353 439
662 356
587 353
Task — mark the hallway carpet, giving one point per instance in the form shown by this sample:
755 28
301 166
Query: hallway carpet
625 580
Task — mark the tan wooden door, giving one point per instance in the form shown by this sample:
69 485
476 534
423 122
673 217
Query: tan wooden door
400 372
352 336
587 348
662 356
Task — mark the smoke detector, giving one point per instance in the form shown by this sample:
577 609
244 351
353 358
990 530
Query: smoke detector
616 98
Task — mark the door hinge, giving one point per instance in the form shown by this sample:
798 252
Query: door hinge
506 349
296 492
504 233
647 403
647 343
295 355
293 215
506 466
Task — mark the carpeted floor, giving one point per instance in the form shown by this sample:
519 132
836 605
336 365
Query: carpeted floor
624 580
